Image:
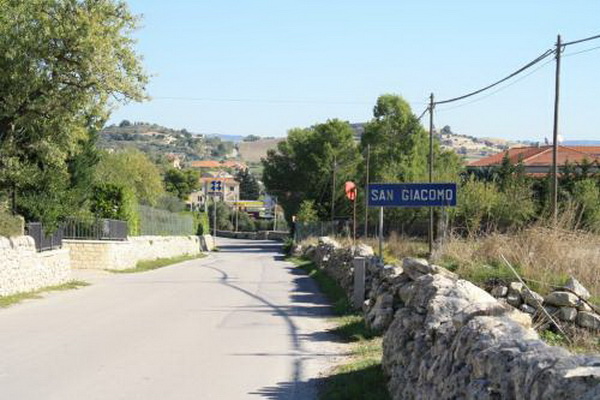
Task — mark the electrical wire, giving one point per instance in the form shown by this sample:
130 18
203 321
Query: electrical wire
581 40
541 57
581 51
498 90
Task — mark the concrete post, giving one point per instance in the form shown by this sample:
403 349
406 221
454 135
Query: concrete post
358 296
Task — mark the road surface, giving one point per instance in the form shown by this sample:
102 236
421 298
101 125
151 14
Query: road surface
238 324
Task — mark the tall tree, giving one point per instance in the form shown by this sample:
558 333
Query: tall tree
249 188
302 167
70 62
181 182
132 169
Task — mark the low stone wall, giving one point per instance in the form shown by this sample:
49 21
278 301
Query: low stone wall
260 235
23 269
446 338
96 254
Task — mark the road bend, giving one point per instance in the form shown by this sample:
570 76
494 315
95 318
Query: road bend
241 323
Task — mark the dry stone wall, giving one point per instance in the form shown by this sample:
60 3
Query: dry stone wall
23 269
91 254
446 338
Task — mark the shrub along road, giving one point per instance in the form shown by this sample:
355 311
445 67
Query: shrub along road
238 324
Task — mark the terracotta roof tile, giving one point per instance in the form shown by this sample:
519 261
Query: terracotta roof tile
541 156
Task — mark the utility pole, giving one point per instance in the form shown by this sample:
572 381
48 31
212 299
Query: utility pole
367 193
431 105
333 194
555 133
275 215
381 233
215 216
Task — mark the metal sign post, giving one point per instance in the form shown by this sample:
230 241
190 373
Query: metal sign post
410 195
216 186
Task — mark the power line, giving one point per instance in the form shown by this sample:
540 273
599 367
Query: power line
581 51
265 101
541 57
498 90
581 40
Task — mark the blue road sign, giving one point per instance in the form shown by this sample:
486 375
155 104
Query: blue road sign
215 186
412 194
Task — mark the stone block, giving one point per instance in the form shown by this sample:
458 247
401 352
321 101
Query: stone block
587 319
532 298
562 299
499 291
567 313
577 288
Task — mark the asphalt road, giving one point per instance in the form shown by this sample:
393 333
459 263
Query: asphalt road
238 324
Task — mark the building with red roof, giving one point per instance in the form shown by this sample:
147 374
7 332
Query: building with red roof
538 160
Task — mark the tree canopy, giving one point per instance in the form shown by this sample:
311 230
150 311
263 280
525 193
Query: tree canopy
302 166
70 63
132 169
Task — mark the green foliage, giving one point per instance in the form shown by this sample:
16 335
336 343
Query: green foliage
116 202
148 265
475 203
164 223
249 189
302 167
307 212
586 195
10 225
7 301
133 169
181 183
202 224
68 62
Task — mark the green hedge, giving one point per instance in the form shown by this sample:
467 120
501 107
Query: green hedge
11 225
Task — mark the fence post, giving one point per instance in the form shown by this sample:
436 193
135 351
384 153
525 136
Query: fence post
358 294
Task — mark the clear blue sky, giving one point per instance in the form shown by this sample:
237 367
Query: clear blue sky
262 67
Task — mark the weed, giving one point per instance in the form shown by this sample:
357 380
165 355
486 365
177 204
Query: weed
148 265
361 377
6 301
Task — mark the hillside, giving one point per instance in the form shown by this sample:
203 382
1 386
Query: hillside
157 140
254 151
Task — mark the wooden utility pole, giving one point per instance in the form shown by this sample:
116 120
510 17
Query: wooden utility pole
367 193
381 233
430 236
333 194
555 133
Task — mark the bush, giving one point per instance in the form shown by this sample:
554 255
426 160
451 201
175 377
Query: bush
586 196
116 202
11 225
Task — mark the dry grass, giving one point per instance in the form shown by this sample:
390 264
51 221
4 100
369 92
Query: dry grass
545 257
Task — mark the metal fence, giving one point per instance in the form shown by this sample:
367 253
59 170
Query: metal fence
44 241
165 223
94 229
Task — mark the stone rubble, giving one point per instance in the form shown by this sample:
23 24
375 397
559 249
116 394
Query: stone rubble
446 338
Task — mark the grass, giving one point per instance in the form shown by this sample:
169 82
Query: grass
143 266
6 301
544 257
361 377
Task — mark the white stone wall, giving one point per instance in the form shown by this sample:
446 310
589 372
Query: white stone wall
23 269
94 254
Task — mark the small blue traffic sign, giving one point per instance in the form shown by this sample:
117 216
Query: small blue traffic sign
216 186
412 194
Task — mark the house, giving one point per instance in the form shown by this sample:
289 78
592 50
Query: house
537 160
229 190
175 160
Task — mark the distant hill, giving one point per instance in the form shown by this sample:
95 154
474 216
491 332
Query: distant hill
157 140
254 151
